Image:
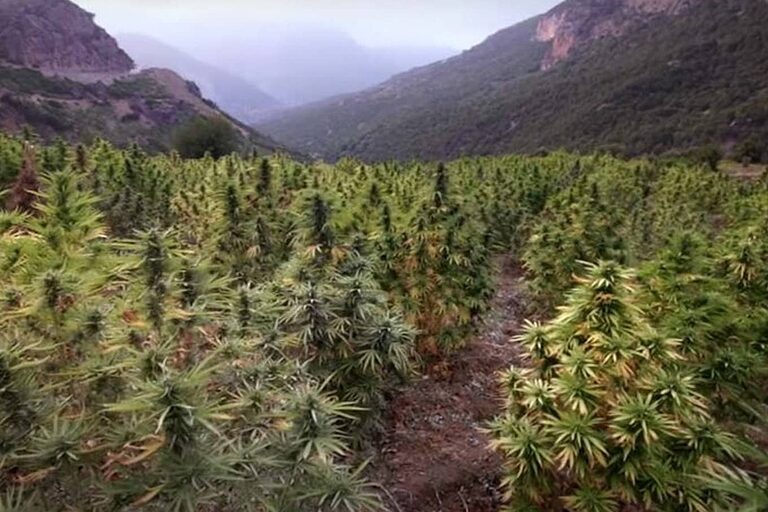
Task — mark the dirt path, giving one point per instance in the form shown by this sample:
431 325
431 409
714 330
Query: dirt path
432 456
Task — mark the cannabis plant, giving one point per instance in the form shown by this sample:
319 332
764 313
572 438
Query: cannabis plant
606 414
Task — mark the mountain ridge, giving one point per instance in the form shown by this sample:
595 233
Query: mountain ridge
423 87
64 76
57 36
672 80
232 93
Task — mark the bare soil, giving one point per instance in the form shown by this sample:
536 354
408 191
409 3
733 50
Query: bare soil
748 172
433 456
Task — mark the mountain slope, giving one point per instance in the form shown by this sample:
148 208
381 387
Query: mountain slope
145 108
654 75
423 100
233 94
31 35
63 76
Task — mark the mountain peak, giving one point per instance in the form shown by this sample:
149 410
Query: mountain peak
575 23
57 36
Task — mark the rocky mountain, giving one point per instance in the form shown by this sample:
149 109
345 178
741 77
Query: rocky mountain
57 36
575 23
64 76
633 76
234 94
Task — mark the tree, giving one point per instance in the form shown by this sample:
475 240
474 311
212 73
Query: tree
709 156
216 137
751 151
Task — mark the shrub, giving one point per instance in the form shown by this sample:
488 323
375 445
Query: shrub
200 136
751 151
709 156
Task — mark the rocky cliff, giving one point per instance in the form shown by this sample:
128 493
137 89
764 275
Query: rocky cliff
64 76
575 23
57 36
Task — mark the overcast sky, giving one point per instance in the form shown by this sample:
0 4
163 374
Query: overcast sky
457 24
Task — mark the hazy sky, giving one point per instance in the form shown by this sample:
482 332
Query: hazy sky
456 24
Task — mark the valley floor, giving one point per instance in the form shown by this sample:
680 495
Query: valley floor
433 456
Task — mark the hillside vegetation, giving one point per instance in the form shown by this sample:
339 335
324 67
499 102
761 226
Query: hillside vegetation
221 335
673 82
147 108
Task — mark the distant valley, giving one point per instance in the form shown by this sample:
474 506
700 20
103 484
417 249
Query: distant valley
629 76
234 94
255 78
301 65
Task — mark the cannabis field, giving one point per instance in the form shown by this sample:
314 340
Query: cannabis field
226 335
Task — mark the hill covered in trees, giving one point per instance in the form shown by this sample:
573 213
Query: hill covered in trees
633 77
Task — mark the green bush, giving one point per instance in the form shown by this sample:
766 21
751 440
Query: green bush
709 156
202 136
751 151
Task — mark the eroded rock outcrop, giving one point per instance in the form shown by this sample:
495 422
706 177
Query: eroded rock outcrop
577 22
57 36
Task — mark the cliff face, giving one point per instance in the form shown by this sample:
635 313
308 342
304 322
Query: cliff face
57 36
64 76
578 22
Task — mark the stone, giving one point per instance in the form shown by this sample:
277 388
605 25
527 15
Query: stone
57 36
577 22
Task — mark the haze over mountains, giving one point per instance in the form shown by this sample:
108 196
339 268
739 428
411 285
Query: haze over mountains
634 76
303 64
234 94
303 51
278 67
